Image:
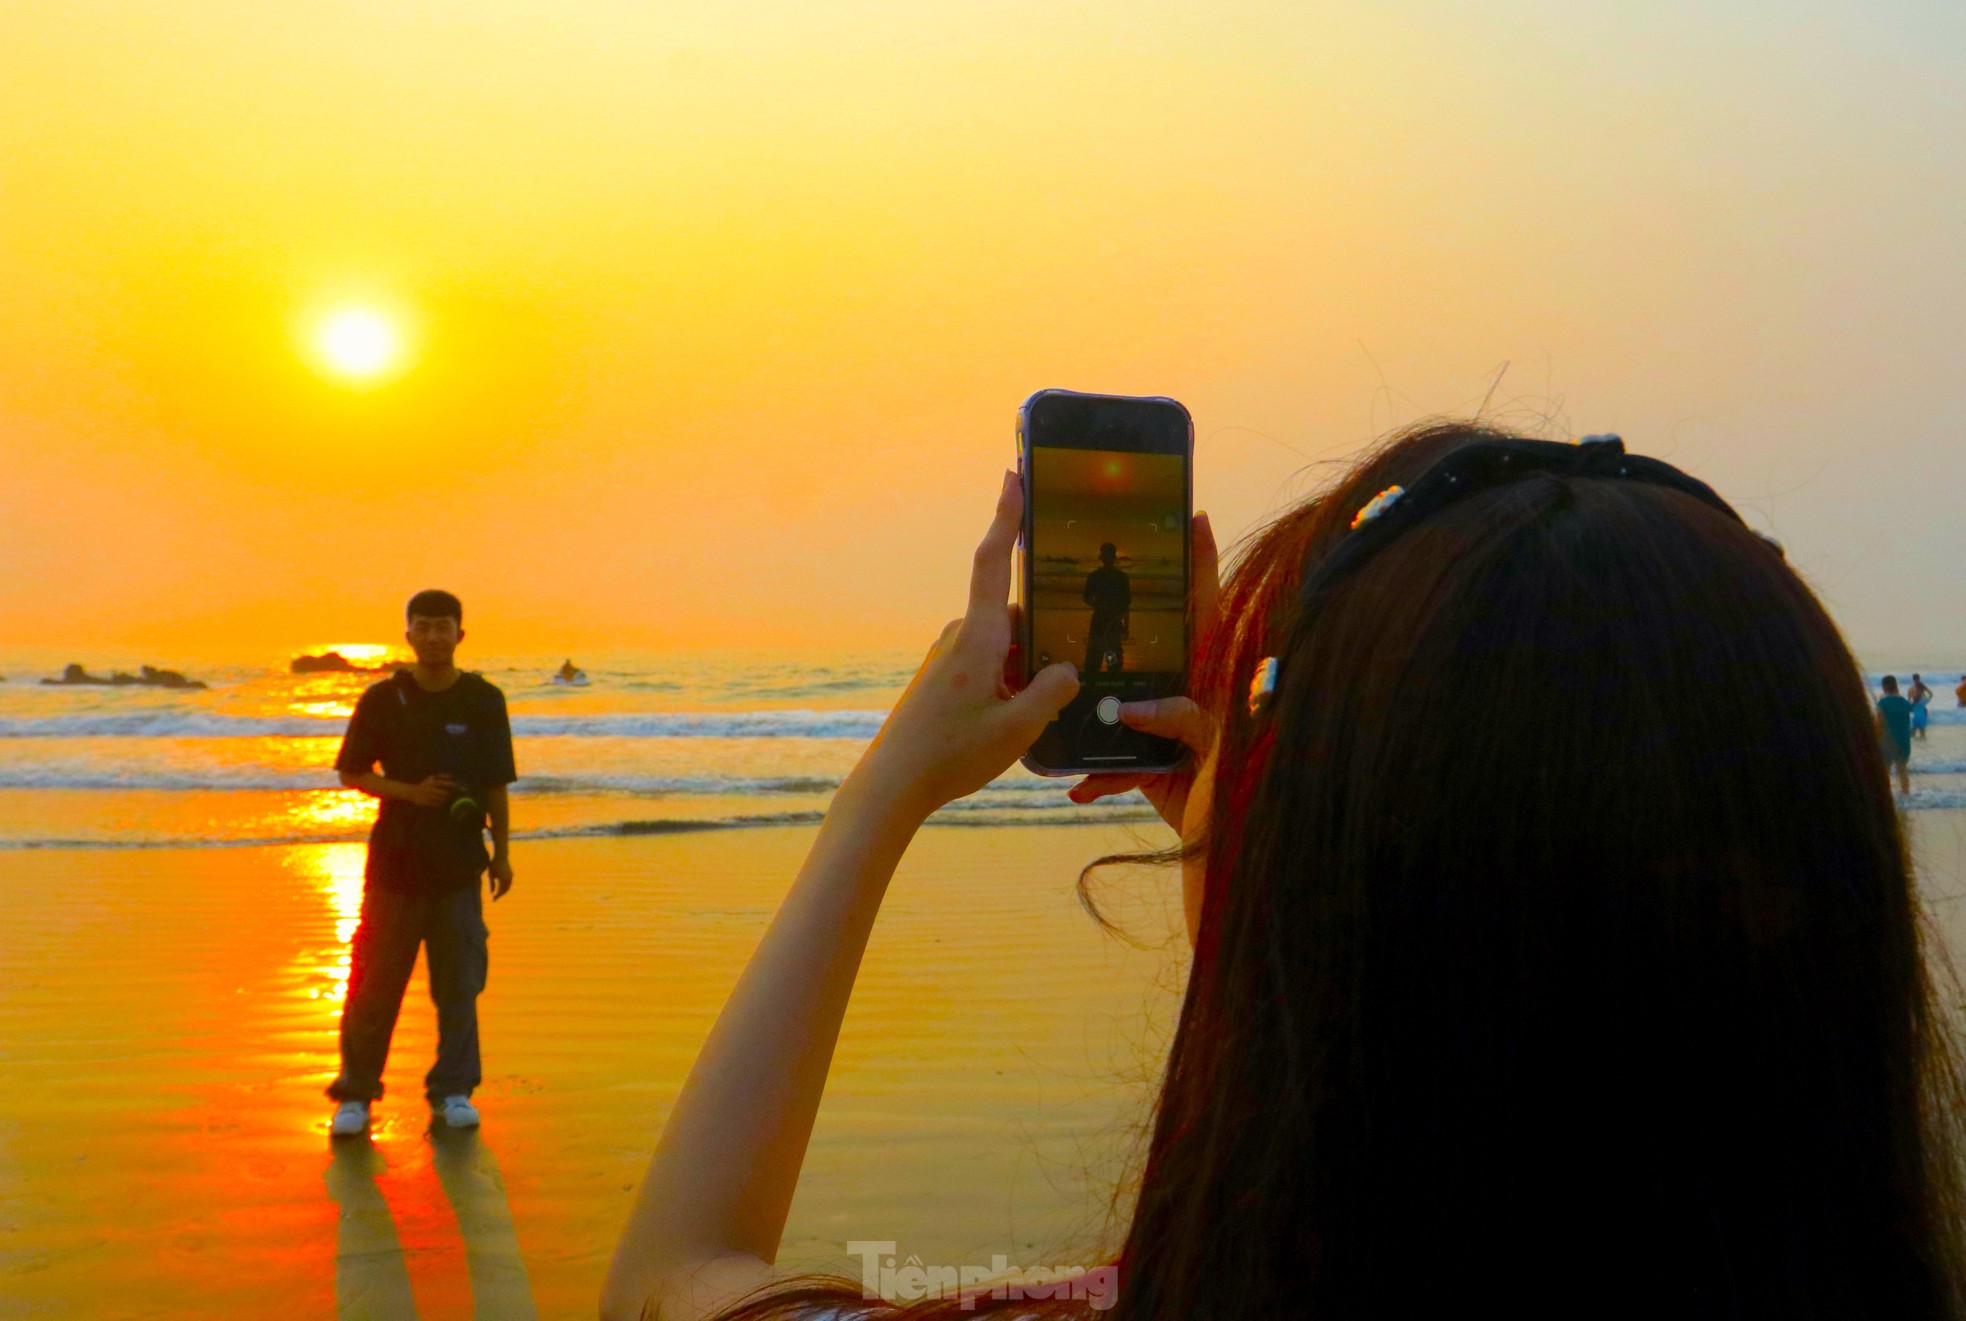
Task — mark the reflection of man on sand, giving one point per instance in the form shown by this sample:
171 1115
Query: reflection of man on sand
1110 595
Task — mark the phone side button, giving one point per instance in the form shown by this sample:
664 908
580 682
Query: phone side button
1108 710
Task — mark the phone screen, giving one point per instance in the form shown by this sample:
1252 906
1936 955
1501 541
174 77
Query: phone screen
1105 575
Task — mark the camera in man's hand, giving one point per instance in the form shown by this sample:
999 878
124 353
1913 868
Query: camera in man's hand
464 808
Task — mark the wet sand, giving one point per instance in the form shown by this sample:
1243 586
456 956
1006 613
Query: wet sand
168 1016
167 1022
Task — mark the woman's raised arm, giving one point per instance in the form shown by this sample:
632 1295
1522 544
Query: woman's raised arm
707 1219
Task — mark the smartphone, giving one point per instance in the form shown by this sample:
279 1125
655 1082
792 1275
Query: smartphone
1103 569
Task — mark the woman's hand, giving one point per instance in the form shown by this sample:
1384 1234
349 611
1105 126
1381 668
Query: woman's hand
958 726
1178 718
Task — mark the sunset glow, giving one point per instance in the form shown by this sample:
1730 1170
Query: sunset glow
359 344
362 653
693 314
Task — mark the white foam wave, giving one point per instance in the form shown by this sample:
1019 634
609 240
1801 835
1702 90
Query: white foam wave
229 778
1930 800
127 778
1033 814
660 724
968 813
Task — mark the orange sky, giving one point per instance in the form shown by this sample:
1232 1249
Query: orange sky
721 313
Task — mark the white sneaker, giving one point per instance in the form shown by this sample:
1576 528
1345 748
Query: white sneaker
457 1111
350 1118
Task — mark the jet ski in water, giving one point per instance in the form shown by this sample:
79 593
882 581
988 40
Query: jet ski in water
572 677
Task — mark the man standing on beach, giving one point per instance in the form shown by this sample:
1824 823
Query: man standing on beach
1110 595
445 746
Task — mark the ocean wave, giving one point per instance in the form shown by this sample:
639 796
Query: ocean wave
965 814
262 778
1036 814
127 779
1010 792
1928 800
768 724
309 779
652 724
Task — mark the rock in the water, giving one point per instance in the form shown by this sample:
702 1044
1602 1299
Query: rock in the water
76 673
333 662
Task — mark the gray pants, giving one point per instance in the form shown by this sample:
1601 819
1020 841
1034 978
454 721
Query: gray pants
450 926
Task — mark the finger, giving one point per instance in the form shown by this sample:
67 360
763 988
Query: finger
989 575
1094 787
945 639
1044 697
1208 569
942 642
1171 717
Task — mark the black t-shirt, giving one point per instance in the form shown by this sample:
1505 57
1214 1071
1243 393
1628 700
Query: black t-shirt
462 732
1109 594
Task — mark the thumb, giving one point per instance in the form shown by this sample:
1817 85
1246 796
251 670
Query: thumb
1172 717
1045 696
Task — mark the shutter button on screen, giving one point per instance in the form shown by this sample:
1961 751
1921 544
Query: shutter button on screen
1108 710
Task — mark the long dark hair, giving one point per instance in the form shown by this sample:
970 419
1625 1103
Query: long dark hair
1559 949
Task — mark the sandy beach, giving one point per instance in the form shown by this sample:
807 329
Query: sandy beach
168 1021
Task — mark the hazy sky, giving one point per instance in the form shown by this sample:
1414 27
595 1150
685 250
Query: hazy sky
719 314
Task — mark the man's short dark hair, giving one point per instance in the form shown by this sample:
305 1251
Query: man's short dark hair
1890 683
434 604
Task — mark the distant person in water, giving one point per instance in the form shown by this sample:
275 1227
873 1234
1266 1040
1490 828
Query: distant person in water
1920 698
1894 731
1960 691
568 672
445 744
1110 595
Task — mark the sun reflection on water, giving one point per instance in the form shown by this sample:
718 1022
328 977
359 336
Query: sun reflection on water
338 708
336 871
320 810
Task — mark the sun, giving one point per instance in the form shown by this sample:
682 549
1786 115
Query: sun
359 344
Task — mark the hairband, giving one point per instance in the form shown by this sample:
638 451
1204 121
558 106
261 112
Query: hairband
1471 468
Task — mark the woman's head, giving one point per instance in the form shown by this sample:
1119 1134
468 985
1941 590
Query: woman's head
1556 929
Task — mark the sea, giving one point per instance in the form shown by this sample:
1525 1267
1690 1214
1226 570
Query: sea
652 743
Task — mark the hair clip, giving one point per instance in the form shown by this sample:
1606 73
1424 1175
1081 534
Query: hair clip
1772 542
1378 505
1603 438
1263 687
